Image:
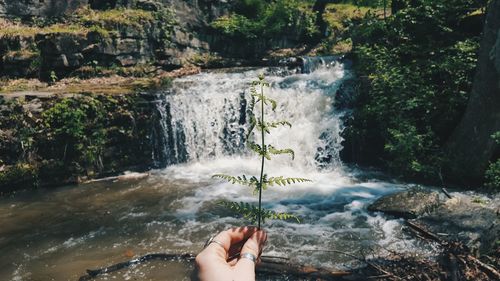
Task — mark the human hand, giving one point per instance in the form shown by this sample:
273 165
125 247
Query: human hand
213 262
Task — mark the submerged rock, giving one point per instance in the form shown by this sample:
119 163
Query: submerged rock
407 204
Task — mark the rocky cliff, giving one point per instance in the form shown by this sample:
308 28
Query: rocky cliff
56 39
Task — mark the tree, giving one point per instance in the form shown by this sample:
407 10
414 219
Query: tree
470 148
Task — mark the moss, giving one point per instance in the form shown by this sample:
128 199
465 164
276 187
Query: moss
18 30
86 20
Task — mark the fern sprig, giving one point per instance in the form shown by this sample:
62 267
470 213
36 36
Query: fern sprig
248 211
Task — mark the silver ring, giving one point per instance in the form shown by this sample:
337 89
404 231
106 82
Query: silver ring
212 240
249 256
218 243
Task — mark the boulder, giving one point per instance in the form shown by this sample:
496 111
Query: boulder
473 220
407 204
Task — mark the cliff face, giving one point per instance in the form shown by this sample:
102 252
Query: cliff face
471 146
43 8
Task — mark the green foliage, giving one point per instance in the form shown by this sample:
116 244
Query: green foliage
419 69
496 137
53 77
262 19
76 125
492 175
250 212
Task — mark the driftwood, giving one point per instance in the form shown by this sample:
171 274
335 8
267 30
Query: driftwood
269 265
425 233
457 252
93 273
124 177
446 193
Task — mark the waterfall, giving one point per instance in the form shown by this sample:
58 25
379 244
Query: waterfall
204 116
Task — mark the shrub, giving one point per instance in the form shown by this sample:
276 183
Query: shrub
419 70
280 17
76 125
492 175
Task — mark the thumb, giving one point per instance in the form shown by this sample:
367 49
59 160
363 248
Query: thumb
254 246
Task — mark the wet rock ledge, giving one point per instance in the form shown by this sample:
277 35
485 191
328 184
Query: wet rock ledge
472 219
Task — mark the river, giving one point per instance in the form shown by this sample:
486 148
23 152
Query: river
57 234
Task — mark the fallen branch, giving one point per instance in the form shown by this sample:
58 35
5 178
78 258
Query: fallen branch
446 193
372 265
269 265
425 233
91 274
485 267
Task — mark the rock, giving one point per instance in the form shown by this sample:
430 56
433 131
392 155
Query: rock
127 46
74 60
126 60
407 204
148 5
61 61
473 220
42 8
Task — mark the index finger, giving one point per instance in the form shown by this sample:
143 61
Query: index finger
235 235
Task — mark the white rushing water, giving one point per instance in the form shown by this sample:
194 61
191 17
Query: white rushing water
205 127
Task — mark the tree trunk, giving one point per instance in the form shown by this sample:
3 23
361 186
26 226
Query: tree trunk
471 147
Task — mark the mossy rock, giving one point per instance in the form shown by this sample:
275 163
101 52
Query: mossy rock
16 177
407 204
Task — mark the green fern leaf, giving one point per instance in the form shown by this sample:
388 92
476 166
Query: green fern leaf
276 151
241 180
282 181
257 148
279 123
253 122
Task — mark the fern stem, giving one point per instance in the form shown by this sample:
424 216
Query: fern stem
263 154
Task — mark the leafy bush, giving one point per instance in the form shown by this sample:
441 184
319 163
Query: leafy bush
266 20
76 127
492 175
418 69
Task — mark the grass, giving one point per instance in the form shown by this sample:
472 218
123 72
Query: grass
86 20
116 17
16 85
